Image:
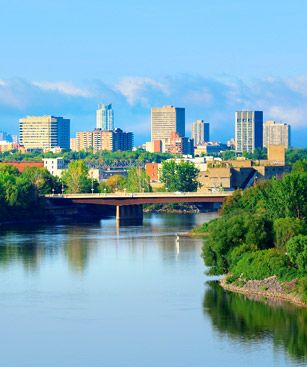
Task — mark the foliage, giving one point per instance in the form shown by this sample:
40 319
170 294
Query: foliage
279 198
42 179
228 155
295 154
76 178
229 232
297 252
262 264
256 155
179 176
300 166
137 181
286 228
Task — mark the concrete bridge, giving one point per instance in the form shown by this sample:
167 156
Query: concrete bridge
129 206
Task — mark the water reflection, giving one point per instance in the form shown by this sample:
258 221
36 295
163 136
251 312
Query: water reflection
247 320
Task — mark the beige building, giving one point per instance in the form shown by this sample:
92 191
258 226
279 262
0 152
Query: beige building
166 119
96 140
200 132
276 134
44 132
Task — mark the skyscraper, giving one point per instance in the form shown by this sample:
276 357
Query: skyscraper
44 132
200 132
276 134
249 130
166 119
104 117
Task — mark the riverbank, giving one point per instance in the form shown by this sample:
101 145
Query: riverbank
269 288
171 209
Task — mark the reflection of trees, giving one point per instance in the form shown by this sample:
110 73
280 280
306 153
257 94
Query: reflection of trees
28 254
239 317
77 248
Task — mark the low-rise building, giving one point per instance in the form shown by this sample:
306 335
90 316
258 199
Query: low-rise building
55 166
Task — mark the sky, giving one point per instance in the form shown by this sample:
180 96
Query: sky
63 57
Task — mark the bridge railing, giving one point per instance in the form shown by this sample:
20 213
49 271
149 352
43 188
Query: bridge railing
142 195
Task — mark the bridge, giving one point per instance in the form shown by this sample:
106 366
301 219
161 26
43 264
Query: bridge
129 206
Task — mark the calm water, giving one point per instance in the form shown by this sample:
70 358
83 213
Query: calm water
95 295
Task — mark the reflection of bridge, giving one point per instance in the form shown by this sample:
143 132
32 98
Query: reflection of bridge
129 206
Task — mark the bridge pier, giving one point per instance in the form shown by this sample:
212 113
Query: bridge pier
129 214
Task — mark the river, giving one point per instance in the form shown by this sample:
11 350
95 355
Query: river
97 295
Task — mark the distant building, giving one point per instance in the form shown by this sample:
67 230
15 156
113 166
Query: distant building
210 148
98 140
276 154
152 171
44 132
105 117
178 145
166 119
55 166
200 132
122 140
249 130
276 133
154 146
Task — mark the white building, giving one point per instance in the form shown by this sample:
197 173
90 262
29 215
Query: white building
275 133
55 166
105 117
200 132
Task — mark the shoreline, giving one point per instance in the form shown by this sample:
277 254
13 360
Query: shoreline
273 295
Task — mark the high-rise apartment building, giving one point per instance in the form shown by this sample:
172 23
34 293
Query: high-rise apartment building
110 140
166 119
200 132
44 132
275 133
104 117
249 130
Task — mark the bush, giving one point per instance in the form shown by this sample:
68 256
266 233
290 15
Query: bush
264 263
297 252
229 232
286 228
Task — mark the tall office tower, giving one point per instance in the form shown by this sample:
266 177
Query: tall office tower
166 119
200 132
104 117
44 132
275 133
249 130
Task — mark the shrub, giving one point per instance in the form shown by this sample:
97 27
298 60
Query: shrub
297 252
286 228
262 264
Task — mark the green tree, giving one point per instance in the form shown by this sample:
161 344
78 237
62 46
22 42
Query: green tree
181 176
286 228
297 252
299 166
137 181
76 178
42 179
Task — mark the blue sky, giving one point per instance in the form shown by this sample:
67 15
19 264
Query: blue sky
212 57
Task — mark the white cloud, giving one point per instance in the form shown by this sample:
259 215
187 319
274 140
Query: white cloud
135 89
64 88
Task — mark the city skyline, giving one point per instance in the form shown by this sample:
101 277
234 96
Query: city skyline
150 63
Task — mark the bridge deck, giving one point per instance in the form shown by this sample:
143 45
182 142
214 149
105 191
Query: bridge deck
141 198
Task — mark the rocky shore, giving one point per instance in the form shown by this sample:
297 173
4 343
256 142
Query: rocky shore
269 288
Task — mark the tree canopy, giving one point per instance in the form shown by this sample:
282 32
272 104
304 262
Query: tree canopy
180 176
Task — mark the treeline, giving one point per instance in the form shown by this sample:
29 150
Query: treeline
262 232
105 157
20 192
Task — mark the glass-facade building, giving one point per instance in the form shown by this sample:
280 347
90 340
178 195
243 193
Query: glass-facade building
249 130
105 117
